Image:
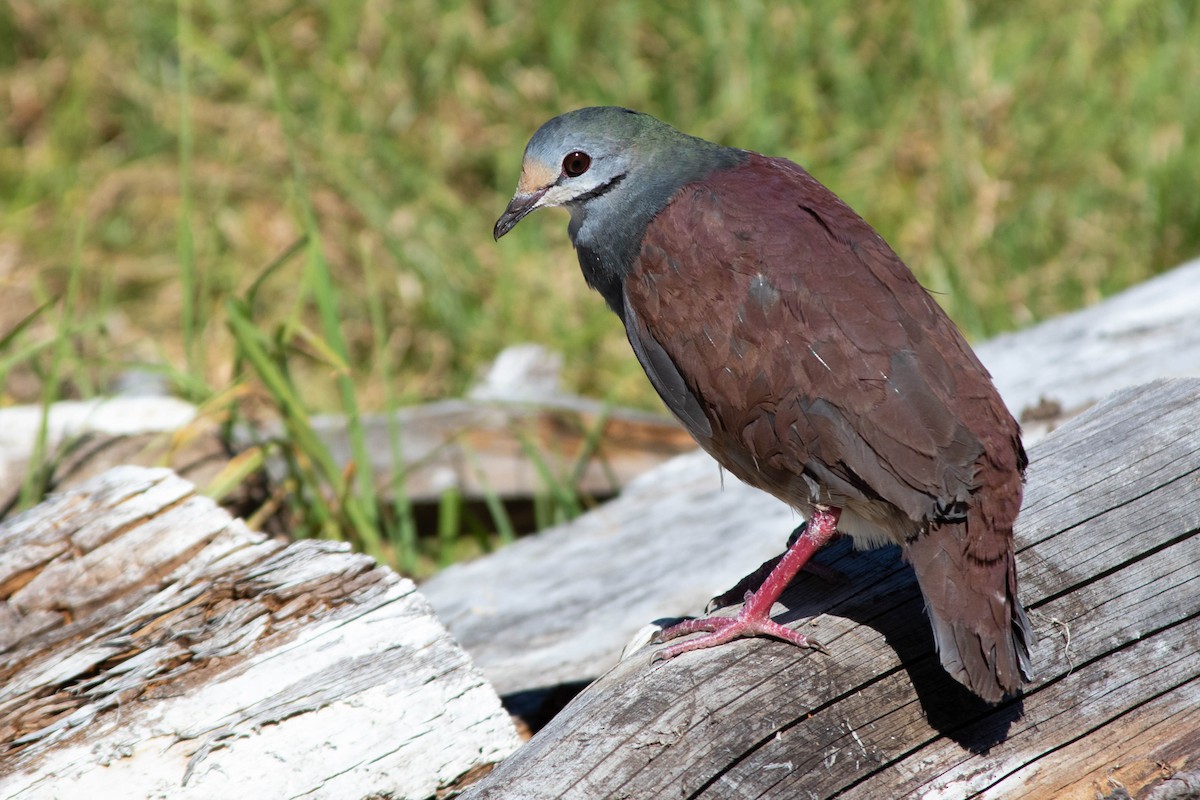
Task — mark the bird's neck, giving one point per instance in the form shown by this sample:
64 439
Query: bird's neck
607 230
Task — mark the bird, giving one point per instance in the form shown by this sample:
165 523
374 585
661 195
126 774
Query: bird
799 351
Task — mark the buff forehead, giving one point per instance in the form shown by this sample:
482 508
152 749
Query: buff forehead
535 175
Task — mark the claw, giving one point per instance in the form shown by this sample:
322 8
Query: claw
719 630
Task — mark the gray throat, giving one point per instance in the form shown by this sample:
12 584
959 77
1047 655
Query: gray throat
607 226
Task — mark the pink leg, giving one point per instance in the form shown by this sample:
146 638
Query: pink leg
737 593
755 617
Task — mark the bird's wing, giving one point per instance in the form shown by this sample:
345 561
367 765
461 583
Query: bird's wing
790 339
665 377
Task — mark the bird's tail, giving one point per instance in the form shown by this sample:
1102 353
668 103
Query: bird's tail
968 575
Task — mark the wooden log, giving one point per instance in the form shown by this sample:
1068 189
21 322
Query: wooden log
1109 559
150 646
1137 335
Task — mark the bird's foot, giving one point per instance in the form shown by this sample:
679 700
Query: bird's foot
754 618
720 630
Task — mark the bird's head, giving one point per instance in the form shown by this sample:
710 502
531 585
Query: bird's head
580 157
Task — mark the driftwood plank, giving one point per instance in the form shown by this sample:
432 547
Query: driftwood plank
87 437
559 606
1147 332
1109 556
496 442
150 646
483 446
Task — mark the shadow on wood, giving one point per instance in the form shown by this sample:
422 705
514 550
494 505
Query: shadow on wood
1109 562
893 608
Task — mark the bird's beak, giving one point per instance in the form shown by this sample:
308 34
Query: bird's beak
518 207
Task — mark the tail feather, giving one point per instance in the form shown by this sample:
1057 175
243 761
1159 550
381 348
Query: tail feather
980 629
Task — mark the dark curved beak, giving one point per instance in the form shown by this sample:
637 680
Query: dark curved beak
518 207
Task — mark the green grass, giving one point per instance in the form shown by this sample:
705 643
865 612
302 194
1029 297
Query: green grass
1025 158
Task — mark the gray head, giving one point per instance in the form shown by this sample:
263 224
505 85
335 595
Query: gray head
614 170
578 156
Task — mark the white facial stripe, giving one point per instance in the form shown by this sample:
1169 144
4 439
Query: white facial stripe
556 196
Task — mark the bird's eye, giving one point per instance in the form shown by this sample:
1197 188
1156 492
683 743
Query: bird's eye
576 163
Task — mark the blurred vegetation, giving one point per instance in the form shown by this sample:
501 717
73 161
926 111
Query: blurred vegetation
321 178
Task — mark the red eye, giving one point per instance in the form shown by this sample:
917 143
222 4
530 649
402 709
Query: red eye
576 163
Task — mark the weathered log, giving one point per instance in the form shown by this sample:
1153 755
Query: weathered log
1109 559
68 733
150 646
